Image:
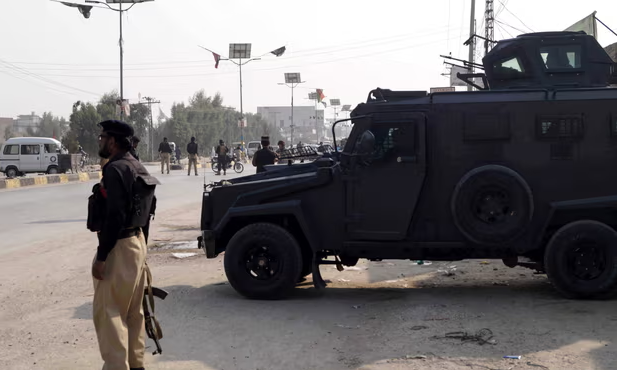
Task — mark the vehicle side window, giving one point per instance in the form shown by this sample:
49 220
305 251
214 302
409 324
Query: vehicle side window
11 150
561 56
30 149
51 148
391 142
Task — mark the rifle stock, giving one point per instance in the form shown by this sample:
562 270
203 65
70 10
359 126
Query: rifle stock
149 320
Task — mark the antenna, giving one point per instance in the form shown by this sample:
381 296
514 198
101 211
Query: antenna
489 25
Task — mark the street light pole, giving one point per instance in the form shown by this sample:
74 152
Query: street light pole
85 11
292 80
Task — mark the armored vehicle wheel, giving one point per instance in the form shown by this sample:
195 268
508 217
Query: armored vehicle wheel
492 205
263 261
580 260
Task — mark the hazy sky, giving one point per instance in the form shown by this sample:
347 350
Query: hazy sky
50 56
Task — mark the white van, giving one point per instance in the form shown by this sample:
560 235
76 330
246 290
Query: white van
253 147
21 155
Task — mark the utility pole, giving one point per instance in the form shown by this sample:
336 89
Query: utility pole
489 25
151 101
472 43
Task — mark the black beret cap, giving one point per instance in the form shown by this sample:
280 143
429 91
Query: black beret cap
117 128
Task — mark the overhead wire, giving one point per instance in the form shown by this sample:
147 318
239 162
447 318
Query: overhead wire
44 79
516 17
296 54
330 60
508 25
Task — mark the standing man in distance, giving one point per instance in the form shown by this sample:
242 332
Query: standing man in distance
192 150
134 142
222 151
264 156
165 151
119 267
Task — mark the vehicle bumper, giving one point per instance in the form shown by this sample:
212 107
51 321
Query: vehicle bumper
206 242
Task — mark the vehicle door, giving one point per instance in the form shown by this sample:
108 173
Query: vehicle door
10 156
385 179
30 158
50 156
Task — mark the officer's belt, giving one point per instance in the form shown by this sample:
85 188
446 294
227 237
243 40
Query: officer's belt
127 233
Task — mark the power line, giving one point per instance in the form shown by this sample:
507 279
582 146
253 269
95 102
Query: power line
44 79
507 9
508 25
296 54
326 61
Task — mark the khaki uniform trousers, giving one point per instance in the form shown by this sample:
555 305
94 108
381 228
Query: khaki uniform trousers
192 162
165 160
117 307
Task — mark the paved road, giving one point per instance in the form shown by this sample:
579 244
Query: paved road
31 215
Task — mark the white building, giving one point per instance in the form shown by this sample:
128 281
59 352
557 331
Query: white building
308 123
23 122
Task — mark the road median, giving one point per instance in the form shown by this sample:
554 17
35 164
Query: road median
49 179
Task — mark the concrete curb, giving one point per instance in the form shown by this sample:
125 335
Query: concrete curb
49 179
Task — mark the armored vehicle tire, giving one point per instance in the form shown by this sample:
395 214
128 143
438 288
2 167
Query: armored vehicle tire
263 261
580 260
492 205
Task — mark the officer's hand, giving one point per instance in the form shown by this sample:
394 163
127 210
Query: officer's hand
98 269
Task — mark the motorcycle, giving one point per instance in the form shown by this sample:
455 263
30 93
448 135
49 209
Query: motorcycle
83 162
238 167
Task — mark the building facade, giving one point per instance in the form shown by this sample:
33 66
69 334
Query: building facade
308 122
25 122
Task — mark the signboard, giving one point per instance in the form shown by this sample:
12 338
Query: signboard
242 123
441 89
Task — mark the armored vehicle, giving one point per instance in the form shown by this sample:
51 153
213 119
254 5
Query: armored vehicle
522 170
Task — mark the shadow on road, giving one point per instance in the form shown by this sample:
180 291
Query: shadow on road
343 328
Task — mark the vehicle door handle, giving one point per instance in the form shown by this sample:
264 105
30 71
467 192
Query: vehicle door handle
406 159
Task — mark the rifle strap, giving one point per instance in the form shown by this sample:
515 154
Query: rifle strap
150 297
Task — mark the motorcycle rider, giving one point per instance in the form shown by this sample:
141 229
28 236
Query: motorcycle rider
84 156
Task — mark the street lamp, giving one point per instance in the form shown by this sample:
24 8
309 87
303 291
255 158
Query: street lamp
346 108
240 52
314 96
85 11
292 80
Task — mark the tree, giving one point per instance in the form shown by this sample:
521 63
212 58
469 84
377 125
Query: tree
84 124
50 126
8 133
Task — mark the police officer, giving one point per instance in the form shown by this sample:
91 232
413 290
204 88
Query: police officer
119 267
165 152
192 150
134 142
264 156
222 151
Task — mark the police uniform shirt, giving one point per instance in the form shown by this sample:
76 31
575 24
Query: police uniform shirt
264 157
118 180
192 148
165 147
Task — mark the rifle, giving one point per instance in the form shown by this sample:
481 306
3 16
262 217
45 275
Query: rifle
153 329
